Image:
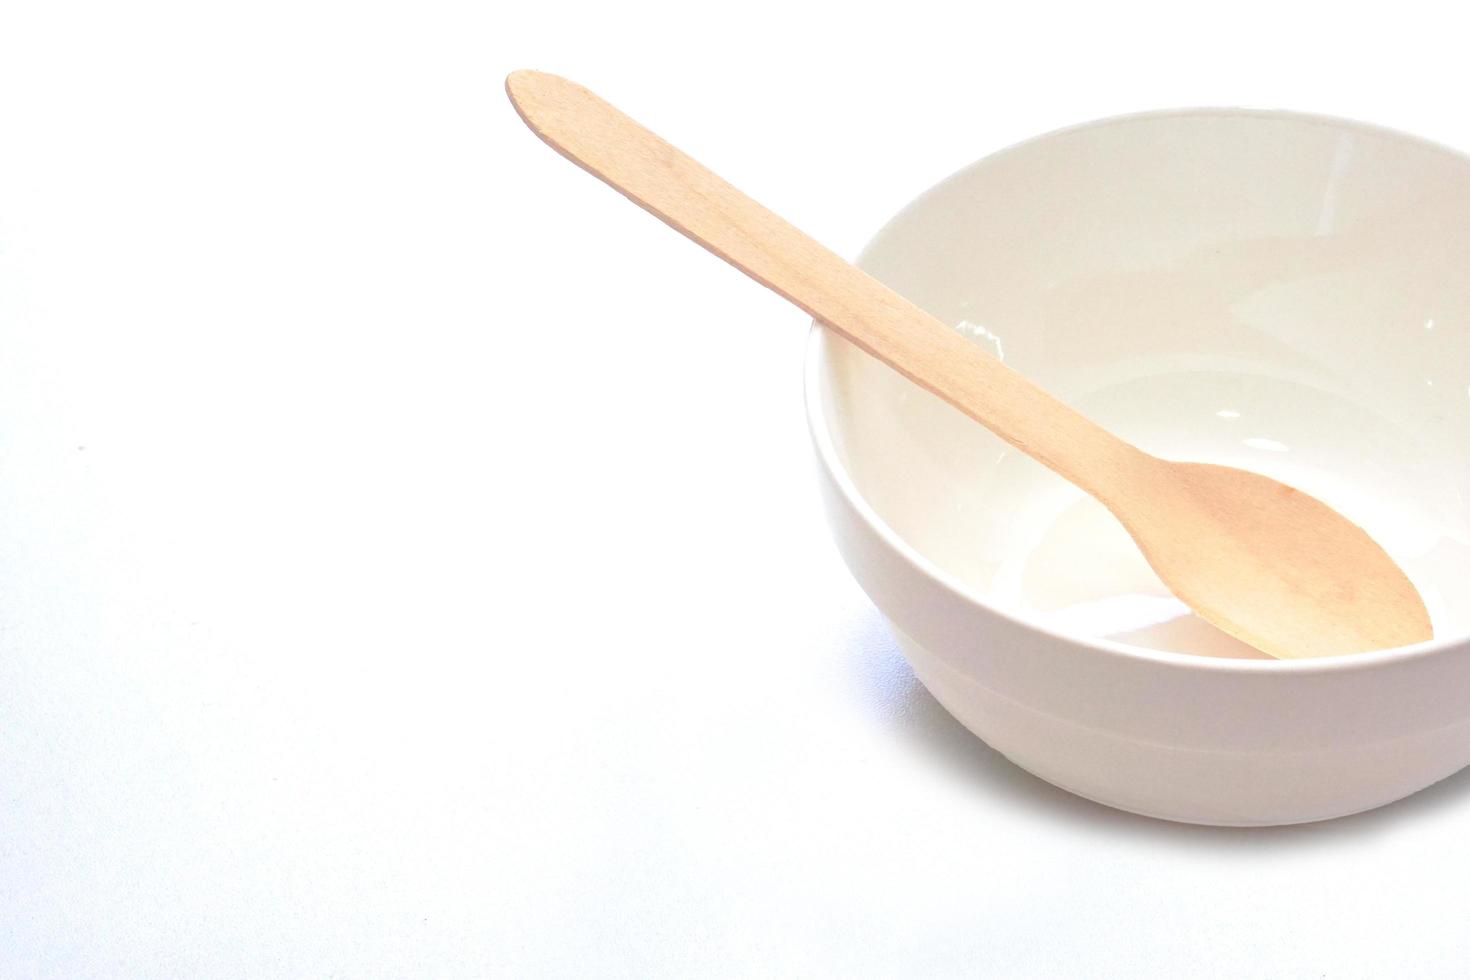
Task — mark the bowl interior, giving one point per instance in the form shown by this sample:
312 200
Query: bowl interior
1282 293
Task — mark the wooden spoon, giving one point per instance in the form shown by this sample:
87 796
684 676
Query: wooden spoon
1262 561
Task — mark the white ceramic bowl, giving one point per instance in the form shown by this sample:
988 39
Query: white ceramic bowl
1285 293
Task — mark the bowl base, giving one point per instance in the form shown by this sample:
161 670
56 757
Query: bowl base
1218 788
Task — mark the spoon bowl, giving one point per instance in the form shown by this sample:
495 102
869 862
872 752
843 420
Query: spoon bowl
1272 566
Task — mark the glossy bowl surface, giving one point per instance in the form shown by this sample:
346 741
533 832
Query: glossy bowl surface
1284 293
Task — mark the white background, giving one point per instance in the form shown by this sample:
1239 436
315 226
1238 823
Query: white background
410 561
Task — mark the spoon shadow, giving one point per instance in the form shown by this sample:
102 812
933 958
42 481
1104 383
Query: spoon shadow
899 699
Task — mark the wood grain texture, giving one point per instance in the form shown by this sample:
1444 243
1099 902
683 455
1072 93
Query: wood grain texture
1268 564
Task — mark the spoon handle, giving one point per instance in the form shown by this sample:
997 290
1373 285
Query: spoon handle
694 201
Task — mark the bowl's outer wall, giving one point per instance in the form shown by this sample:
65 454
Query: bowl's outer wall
1203 742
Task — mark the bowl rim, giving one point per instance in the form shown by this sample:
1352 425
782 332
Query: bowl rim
816 360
